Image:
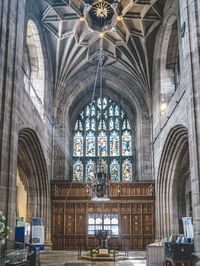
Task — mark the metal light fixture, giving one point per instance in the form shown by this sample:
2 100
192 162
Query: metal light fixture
100 180
100 183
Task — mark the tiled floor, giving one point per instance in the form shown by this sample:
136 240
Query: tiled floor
67 258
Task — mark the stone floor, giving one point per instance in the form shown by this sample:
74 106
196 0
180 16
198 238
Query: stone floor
66 258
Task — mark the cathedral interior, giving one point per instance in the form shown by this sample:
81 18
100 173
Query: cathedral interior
100 120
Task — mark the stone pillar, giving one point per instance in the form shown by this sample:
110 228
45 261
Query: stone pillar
11 50
189 12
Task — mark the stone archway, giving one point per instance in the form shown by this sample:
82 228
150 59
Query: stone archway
173 183
33 175
124 92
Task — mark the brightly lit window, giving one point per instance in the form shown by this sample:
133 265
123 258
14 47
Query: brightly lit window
108 133
106 221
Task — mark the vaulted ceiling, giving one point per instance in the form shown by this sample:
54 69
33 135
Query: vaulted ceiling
130 48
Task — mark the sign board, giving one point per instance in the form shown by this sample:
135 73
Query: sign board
38 232
188 227
20 221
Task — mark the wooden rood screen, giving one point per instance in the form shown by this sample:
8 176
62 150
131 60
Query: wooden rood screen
131 203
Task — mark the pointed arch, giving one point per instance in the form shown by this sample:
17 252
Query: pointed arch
173 168
33 65
34 176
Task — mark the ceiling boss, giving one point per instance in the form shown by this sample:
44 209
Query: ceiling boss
101 16
101 10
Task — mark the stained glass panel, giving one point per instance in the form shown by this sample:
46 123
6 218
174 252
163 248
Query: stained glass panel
90 144
117 123
126 171
89 170
104 103
111 111
128 125
76 126
104 100
114 171
104 125
102 144
78 144
126 144
98 115
87 112
93 124
92 110
116 110
100 125
111 124
82 114
87 124
114 144
124 125
80 126
78 171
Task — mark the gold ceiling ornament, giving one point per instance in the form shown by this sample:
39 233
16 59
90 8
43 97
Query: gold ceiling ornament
120 18
101 34
101 9
82 19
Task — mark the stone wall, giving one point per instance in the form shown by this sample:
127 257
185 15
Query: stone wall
19 113
183 108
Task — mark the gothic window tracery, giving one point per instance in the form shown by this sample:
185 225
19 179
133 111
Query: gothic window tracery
103 129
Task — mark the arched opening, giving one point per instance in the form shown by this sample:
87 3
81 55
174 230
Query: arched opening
77 95
173 184
170 68
21 202
33 198
33 66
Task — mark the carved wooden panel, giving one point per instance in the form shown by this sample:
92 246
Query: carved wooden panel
136 224
69 224
134 204
125 224
81 227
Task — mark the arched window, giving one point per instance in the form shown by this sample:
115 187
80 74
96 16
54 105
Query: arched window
33 66
170 67
173 55
108 134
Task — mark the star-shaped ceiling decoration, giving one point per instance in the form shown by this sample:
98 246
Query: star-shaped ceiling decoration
101 10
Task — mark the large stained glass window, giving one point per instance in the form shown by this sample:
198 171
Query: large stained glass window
103 129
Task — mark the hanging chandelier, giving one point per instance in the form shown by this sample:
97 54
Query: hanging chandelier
100 180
